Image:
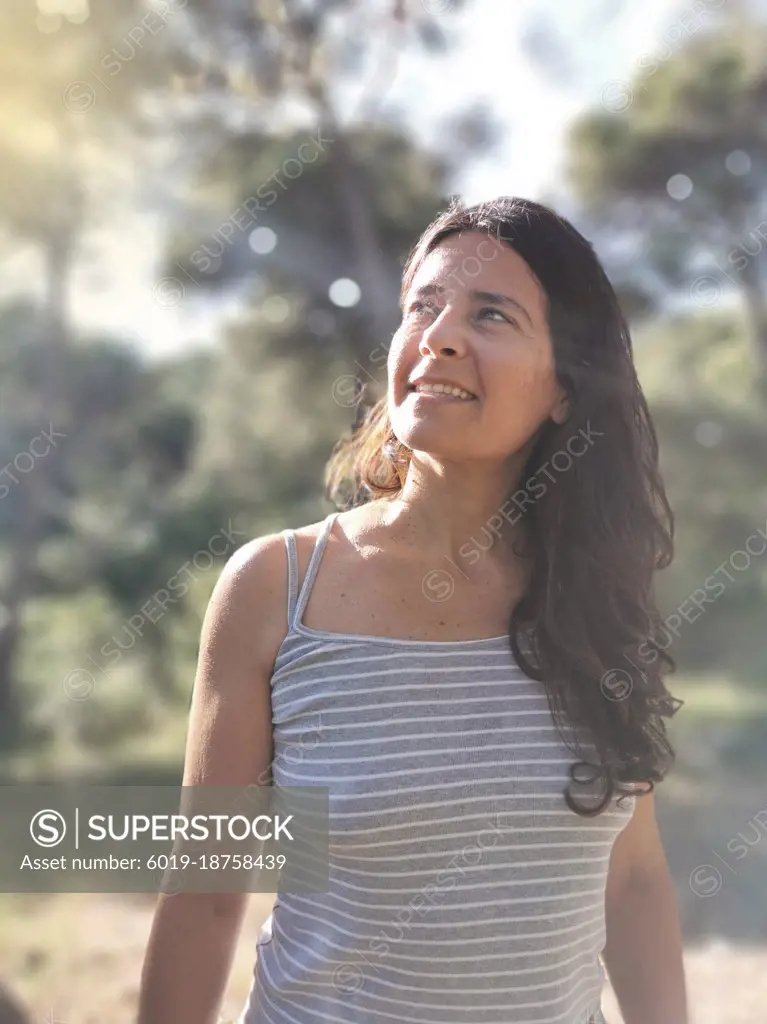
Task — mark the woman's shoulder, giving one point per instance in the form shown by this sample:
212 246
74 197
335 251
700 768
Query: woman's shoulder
249 607
258 571
255 576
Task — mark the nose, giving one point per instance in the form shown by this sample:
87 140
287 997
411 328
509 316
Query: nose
446 336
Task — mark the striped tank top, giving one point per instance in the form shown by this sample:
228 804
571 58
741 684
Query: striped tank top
462 889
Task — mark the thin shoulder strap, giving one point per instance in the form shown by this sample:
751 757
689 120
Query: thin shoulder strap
290 543
297 601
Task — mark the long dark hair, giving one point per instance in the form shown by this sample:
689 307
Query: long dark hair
587 626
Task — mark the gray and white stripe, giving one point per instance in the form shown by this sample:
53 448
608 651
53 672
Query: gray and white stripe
462 889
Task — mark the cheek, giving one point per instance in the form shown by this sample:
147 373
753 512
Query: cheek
396 355
531 366
536 378
526 387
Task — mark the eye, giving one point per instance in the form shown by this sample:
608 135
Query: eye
417 307
497 312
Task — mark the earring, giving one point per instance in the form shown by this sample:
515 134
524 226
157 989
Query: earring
393 450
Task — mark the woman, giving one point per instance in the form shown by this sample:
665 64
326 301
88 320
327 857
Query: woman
471 647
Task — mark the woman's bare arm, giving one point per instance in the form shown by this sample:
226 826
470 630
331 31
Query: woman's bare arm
643 954
229 743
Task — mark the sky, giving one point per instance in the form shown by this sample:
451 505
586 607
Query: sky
117 287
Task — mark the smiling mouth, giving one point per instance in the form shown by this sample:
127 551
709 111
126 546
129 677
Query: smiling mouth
444 391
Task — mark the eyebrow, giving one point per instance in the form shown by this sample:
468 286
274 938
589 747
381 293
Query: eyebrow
497 298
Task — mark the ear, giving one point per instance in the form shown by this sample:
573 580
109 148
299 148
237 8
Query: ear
560 411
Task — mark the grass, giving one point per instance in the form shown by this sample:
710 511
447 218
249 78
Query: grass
80 954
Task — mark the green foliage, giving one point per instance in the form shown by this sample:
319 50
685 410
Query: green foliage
697 373
686 114
159 457
401 188
676 177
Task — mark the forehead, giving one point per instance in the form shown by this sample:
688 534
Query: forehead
476 260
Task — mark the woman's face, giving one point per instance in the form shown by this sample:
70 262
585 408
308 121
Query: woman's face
474 317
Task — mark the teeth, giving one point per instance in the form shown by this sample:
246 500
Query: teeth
443 389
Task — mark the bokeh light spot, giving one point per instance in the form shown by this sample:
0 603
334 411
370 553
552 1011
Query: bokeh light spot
262 240
738 162
679 186
708 433
344 292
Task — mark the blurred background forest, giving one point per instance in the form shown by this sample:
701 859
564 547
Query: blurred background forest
204 211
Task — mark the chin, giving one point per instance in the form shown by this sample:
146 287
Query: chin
437 443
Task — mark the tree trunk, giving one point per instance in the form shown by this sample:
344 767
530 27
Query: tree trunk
367 257
370 266
756 316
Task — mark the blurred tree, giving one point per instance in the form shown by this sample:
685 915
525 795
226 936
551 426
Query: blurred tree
678 177
291 370
113 507
670 180
314 186
709 415
89 94
64 128
317 76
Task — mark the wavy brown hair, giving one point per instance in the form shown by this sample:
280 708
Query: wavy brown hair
596 536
